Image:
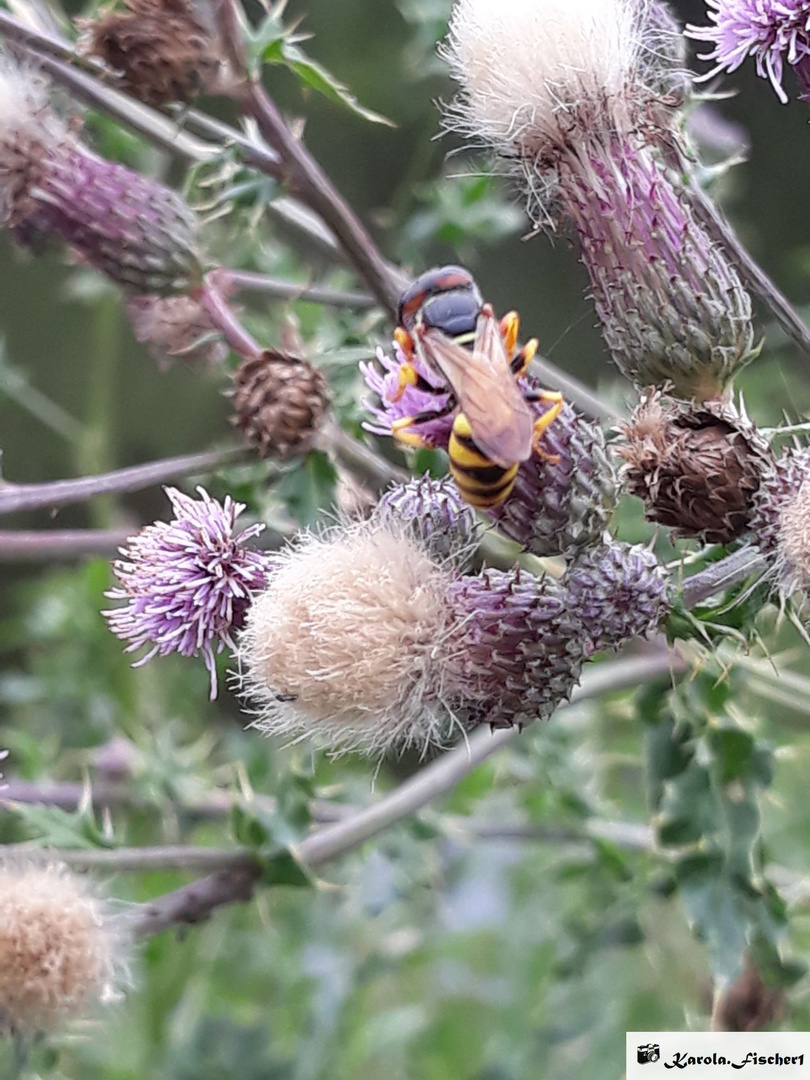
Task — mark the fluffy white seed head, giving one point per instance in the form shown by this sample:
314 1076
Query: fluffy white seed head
344 645
59 952
537 74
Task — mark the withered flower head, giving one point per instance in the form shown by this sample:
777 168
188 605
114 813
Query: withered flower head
697 467
175 326
139 233
159 49
781 520
280 401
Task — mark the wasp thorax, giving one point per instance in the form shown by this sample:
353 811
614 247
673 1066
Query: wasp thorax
697 467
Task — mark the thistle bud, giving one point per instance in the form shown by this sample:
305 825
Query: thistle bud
134 230
520 648
619 592
434 515
176 326
780 522
280 401
159 50
59 949
697 467
563 500
581 111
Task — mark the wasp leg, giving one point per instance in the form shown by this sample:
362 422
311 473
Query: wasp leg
521 361
542 423
413 438
510 328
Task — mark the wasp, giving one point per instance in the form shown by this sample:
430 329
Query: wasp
444 322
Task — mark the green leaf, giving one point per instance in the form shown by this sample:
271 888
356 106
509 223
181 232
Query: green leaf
318 78
282 868
58 828
308 487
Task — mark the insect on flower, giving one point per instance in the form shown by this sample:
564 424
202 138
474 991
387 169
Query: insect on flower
444 322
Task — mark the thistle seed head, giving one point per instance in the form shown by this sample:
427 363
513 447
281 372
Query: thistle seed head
176 326
697 467
158 49
59 949
780 522
539 77
342 646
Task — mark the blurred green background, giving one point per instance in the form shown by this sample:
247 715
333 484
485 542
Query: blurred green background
430 954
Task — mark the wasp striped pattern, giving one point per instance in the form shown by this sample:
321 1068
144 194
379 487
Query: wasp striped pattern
480 481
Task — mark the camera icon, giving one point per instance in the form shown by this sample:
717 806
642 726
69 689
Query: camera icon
648 1053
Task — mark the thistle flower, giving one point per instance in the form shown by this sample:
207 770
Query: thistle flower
187 584
59 949
362 641
176 326
159 49
134 230
775 32
581 111
697 468
413 401
280 401
780 521
619 592
434 515
556 506
564 501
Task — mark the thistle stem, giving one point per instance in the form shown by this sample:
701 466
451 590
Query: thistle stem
15 498
45 545
234 280
731 571
224 318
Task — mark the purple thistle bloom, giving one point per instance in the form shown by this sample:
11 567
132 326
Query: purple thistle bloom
188 583
775 32
436 433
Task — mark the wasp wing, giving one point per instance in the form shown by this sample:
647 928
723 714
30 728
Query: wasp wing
500 418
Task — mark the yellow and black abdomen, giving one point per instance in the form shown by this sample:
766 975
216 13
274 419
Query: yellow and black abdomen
479 480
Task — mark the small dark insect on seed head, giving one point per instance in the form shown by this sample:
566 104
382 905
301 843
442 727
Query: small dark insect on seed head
286 697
